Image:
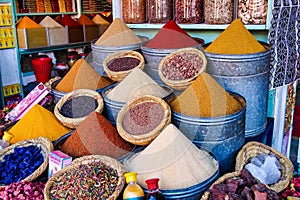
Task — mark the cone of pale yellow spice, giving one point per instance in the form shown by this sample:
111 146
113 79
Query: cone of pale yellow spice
205 98
26 22
118 34
101 22
235 39
82 76
38 121
49 22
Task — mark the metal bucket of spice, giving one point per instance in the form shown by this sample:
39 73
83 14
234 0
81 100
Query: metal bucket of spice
247 75
222 135
112 108
101 52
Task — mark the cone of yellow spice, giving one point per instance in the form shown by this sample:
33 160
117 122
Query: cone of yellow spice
205 98
235 39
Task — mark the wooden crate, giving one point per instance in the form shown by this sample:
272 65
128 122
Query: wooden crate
32 38
91 32
57 36
75 34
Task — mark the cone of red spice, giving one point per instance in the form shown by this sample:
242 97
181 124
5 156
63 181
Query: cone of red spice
66 20
84 20
96 136
171 36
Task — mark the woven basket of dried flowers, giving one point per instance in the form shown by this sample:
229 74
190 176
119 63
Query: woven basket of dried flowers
73 123
130 59
152 115
88 177
253 149
42 143
180 68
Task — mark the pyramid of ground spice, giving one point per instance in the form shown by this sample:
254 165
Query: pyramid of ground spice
99 20
26 22
49 22
82 76
96 136
235 39
38 121
174 159
136 83
84 20
171 36
205 98
118 34
67 20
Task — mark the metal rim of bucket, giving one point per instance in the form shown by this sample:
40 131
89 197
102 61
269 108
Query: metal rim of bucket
162 52
195 189
216 120
105 90
245 57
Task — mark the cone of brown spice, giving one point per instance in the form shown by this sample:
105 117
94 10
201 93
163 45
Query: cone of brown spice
82 76
96 136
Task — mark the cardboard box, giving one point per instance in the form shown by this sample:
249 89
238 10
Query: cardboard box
32 38
57 161
91 32
57 36
75 34
34 97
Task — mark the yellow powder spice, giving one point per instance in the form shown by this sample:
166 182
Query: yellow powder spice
84 20
26 22
118 34
99 20
205 98
82 76
235 39
38 121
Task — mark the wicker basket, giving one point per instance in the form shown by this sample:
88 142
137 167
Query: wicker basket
43 143
253 149
181 84
221 179
143 139
86 160
73 123
120 75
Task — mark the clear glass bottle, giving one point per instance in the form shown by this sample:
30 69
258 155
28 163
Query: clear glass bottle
134 11
252 11
5 141
218 11
132 190
159 11
189 11
154 191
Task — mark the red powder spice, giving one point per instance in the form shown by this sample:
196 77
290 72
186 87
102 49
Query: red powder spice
67 20
171 36
96 136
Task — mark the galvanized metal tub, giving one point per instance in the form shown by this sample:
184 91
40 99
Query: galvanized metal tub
112 108
223 136
247 75
152 59
99 53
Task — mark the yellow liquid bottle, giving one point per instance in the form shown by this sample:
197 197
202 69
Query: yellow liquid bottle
132 191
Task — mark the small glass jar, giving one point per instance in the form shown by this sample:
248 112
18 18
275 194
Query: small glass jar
253 12
71 60
134 11
218 11
159 11
189 11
